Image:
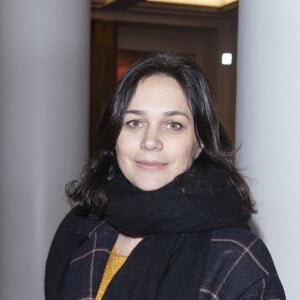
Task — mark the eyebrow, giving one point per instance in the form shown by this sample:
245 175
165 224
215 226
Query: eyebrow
166 113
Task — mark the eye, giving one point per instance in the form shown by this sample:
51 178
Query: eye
134 124
174 126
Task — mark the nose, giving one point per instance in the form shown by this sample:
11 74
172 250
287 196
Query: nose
151 140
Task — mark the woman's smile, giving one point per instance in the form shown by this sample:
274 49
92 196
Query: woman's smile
151 165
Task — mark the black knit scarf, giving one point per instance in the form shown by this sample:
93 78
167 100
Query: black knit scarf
176 221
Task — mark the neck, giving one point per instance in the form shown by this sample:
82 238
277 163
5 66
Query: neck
125 244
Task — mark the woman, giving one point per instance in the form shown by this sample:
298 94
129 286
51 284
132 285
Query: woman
160 212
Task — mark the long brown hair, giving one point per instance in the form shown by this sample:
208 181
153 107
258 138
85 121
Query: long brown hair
90 188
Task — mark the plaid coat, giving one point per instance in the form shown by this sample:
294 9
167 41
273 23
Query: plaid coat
239 265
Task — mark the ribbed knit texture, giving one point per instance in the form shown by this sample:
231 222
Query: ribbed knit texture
114 263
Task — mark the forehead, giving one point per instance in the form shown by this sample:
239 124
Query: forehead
159 91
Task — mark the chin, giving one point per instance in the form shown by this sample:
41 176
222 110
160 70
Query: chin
150 185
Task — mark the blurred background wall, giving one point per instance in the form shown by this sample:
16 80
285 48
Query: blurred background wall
44 109
59 65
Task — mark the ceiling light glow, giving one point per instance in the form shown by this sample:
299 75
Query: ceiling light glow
209 3
226 59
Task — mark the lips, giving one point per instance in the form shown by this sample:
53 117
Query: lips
150 165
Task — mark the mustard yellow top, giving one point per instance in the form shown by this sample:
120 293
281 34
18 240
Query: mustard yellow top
114 263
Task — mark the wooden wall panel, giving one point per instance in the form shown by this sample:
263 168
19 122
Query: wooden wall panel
103 71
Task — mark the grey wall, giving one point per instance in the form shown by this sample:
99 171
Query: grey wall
268 123
44 92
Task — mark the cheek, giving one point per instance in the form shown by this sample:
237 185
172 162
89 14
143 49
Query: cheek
120 148
120 144
185 158
189 154
123 148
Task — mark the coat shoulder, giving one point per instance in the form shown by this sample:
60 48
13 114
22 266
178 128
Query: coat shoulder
63 243
239 261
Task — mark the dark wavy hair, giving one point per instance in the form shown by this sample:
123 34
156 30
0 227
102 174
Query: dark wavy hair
89 190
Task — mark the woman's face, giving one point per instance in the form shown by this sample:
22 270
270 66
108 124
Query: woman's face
157 141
